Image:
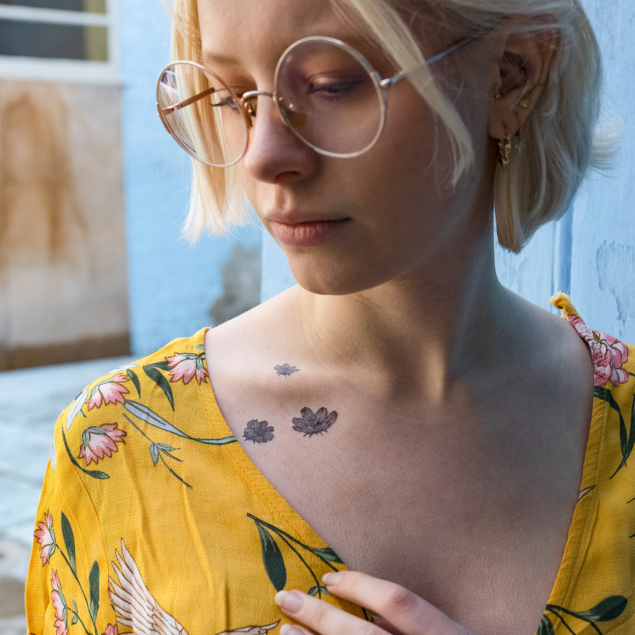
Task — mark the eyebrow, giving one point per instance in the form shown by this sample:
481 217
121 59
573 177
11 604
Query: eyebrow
363 44
219 59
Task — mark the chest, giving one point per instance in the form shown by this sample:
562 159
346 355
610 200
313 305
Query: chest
424 498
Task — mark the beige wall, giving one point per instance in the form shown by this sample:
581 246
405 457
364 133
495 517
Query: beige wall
63 290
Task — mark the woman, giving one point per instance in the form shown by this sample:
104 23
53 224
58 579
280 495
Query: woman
399 410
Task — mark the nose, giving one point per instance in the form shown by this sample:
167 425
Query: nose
274 151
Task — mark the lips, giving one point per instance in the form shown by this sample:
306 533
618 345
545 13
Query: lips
308 233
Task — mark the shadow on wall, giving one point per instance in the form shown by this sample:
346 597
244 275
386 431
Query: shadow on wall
241 284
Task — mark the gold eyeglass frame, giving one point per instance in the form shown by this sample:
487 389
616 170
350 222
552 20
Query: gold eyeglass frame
380 85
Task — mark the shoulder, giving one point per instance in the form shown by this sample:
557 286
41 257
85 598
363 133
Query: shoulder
613 360
90 429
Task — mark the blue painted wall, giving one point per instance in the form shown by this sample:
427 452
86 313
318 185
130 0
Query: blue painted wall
172 284
590 253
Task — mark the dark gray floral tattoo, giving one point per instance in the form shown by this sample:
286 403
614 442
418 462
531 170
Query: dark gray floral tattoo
285 370
258 431
314 423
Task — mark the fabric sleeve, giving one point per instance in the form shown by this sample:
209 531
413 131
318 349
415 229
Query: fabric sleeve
67 583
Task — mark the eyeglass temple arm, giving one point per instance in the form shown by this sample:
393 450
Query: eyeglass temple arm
389 82
186 102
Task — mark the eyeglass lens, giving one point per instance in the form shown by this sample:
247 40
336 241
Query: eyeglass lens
207 121
328 98
325 95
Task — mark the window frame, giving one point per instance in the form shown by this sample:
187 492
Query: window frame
61 70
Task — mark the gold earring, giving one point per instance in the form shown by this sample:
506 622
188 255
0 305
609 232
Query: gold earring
520 144
505 149
525 103
497 94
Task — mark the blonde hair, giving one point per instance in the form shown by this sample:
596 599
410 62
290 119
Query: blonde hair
561 136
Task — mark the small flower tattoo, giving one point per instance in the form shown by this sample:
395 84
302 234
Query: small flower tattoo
258 431
285 370
314 423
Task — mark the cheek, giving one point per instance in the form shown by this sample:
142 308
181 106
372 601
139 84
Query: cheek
404 178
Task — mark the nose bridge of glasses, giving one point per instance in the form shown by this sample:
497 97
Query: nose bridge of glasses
249 101
251 97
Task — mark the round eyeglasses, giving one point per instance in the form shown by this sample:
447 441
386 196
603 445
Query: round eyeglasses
326 92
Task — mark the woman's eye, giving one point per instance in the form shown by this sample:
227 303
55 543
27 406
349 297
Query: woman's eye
227 102
335 88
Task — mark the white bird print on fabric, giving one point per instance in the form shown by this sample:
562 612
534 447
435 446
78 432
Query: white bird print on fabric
136 608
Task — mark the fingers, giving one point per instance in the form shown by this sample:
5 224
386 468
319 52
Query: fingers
405 610
321 617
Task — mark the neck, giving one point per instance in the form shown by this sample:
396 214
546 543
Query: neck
431 327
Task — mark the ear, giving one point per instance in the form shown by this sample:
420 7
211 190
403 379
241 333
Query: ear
519 70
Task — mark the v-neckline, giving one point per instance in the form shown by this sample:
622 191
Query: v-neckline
580 528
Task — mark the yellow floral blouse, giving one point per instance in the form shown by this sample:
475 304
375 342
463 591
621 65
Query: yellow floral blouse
153 519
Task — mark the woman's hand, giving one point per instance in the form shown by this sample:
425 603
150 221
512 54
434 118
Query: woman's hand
403 612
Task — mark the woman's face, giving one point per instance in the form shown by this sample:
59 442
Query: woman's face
391 211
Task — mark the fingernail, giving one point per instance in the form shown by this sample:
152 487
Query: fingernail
287 629
332 578
289 601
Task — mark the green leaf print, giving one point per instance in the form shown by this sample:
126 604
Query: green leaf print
607 610
154 453
165 365
627 438
546 627
71 562
325 554
199 347
132 376
317 590
69 542
157 450
272 559
93 581
152 418
155 375
93 473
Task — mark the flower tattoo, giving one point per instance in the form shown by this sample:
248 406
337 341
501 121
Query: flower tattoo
314 423
285 370
258 431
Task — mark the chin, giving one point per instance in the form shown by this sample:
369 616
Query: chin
332 278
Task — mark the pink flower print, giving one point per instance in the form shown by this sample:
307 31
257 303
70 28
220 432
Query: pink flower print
185 365
59 602
111 630
110 390
46 538
608 354
100 441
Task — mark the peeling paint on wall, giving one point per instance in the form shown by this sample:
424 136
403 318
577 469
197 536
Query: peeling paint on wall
616 267
241 284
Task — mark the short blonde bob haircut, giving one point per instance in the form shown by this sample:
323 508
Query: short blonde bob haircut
559 134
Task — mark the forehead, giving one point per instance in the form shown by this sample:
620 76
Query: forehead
249 30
